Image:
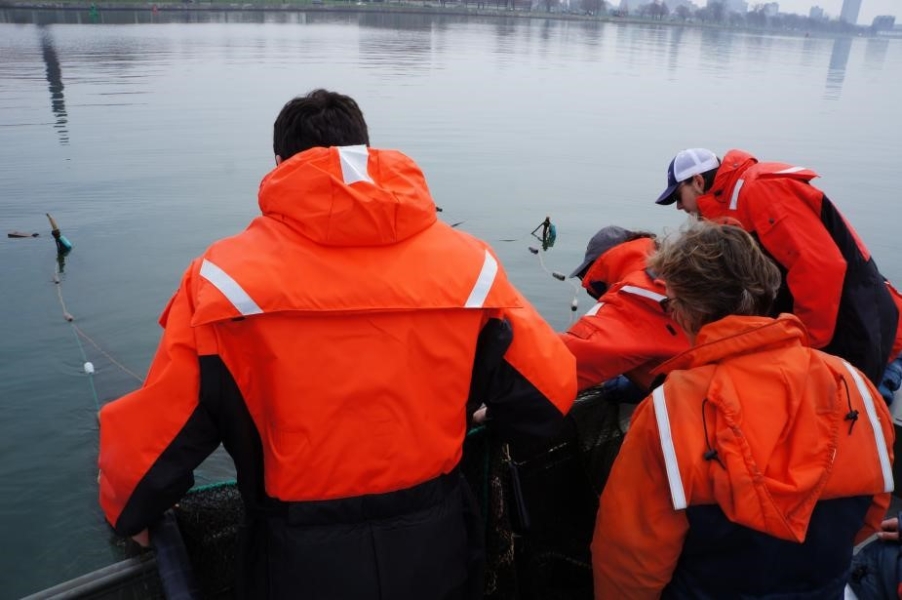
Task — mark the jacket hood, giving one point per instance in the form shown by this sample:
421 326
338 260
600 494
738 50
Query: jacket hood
349 196
774 414
618 262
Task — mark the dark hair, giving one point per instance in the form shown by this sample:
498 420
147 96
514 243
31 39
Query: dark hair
319 119
708 176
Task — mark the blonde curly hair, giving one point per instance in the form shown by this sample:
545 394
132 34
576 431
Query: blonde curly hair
713 271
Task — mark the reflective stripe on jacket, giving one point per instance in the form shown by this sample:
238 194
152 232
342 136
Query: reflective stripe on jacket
627 331
742 462
830 280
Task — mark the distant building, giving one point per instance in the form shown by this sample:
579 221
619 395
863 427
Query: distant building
850 10
816 13
883 23
771 9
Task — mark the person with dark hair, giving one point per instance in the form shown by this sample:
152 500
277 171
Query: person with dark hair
830 280
759 463
333 348
627 332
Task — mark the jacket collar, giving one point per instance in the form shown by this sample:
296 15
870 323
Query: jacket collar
716 201
735 336
614 265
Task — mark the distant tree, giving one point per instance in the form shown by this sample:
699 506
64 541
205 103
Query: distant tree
682 12
660 10
653 10
593 7
757 18
718 10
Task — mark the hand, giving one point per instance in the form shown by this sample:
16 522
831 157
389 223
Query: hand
142 539
890 530
480 415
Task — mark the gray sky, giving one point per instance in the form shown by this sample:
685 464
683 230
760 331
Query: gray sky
869 8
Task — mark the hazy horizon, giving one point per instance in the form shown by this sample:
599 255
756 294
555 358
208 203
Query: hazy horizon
869 8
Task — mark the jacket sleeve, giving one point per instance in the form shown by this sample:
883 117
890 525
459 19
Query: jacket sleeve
796 238
523 373
152 439
601 353
638 534
614 341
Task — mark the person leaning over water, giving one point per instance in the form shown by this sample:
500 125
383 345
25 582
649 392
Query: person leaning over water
332 348
627 332
830 280
755 467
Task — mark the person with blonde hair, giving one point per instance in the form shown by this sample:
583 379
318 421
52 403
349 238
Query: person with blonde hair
757 465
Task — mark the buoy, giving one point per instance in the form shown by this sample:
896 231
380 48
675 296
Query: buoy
89 368
63 245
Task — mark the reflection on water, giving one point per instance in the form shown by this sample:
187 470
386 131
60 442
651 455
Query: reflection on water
836 72
673 52
875 53
717 50
55 81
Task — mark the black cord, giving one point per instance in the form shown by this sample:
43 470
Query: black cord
710 453
852 415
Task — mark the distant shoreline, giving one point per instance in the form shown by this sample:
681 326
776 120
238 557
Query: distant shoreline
406 7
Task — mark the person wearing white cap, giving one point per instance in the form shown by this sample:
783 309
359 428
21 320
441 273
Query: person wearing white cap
628 331
830 281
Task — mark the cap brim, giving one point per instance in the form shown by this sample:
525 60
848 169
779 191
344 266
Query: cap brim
667 198
583 267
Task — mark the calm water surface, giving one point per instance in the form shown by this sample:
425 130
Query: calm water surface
146 138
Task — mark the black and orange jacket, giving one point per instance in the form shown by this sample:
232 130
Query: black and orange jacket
830 280
627 331
332 348
751 471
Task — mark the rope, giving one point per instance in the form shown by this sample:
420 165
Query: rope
90 373
89 370
106 354
79 333
574 303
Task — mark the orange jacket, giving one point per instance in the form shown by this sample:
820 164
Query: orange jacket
347 321
774 411
627 331
831 283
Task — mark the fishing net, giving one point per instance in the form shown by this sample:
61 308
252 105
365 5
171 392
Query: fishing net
209 518
559 482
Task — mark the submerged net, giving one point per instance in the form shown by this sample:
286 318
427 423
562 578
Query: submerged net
538 501
559 483
209 518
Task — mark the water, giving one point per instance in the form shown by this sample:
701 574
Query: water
146 137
